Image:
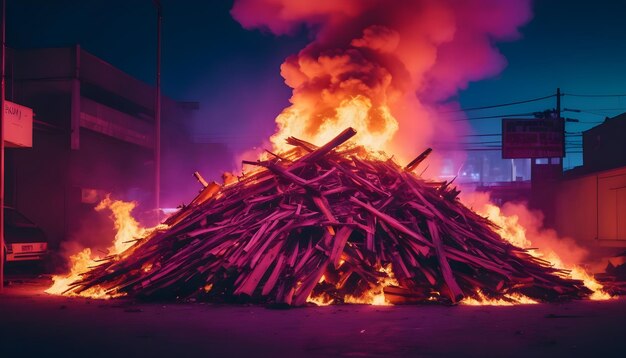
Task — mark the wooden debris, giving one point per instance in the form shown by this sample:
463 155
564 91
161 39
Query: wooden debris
420 158
328 221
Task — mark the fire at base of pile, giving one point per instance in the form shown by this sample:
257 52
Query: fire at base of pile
329 224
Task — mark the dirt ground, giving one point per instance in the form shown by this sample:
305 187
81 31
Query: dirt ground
33 323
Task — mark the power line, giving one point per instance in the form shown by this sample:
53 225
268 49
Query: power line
499 105
531 100
567 134
600 109
594 95
483 142
491 117
587 122
579 111
482 135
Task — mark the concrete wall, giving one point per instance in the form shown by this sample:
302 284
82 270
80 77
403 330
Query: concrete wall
576 208
592 208
612 205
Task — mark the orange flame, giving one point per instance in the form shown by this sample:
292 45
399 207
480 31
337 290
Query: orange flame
511 230
508 300
321 300
355 112
375 296
128 231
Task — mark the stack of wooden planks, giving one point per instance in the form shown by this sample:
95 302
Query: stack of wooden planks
331 221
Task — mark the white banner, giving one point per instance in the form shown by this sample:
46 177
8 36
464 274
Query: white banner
18 125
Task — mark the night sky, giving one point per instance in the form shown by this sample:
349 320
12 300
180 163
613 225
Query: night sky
234 73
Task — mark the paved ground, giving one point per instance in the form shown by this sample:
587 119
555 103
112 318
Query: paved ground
33 323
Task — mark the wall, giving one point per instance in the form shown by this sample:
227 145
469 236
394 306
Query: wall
612 205
591 208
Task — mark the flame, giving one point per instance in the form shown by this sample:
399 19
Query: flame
508 300
79 263
128 231
355 112
511 230
320 300
379 65
375 64
375 296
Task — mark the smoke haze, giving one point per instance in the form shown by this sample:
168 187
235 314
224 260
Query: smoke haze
384 67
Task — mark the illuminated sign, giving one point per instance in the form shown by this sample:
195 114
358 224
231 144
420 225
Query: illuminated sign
532 138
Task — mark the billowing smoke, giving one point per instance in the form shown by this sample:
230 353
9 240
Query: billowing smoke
386 68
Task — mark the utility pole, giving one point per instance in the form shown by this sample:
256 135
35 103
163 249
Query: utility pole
157 116
558 103
2 115
558 118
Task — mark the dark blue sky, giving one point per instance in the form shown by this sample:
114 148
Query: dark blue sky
579 46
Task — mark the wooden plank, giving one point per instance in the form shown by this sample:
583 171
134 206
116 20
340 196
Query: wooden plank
420 158
326 148
338 244
303 292
424 250
322 204
271 281
456 294
255 276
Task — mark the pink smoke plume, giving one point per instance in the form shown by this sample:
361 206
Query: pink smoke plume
384 67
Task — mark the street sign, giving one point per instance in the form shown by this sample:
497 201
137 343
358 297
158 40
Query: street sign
18 125
532 138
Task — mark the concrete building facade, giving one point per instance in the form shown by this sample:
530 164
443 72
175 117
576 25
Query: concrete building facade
93 135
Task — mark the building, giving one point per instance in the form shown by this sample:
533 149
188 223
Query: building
590 201
604 145
93 135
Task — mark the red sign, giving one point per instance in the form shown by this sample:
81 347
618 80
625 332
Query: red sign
532 138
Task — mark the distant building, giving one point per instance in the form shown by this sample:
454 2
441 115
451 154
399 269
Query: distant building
93 134
605 145
590 201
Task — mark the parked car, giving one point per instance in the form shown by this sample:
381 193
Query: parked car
23 240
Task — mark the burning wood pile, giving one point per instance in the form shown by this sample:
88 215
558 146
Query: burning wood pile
328 223
614 277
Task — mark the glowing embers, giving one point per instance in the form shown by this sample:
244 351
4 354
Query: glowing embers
479 299
341 287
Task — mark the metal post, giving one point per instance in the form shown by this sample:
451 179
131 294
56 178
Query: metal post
2 92
157 116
